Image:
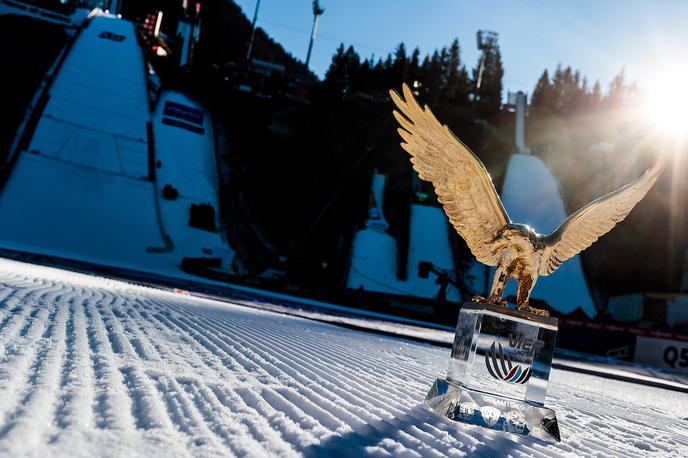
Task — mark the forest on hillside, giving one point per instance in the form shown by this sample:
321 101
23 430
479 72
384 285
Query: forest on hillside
302 168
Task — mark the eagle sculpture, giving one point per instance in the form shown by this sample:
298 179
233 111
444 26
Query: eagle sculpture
464 187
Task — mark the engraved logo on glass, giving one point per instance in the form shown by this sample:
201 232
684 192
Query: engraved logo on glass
499 363
499 366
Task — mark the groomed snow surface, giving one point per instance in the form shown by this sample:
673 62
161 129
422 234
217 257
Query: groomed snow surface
91 366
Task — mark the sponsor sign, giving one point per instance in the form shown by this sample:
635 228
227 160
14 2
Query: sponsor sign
184 117
663 353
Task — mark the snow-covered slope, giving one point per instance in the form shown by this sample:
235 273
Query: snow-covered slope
90 366
429 242
373 265
185 156
80 190
531 196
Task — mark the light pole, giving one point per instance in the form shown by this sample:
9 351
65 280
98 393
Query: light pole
317 11
253 32
486 40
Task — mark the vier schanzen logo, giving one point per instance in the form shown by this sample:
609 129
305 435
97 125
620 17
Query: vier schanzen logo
499 364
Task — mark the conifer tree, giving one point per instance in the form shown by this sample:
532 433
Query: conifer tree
541 101
342 71
596 95
444 69
458 85
400 66
433 76
414 66
617 91
557 89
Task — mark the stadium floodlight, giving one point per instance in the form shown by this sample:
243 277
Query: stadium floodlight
317 12
486 40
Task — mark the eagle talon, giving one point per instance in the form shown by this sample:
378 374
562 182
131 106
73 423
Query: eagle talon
484 300
536 311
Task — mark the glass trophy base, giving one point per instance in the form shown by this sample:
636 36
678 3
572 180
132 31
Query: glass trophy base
491 411
498 372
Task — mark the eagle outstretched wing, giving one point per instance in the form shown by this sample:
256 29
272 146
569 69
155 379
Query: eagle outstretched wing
591 222
462 183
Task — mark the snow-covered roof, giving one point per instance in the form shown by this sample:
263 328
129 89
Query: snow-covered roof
94 367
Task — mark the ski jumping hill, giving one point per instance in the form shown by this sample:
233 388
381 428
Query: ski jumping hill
91 184
531 196
374 257
92 367
81 188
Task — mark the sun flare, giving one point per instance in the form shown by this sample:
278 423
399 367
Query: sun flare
666 102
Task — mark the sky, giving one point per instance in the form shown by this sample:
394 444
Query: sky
597 37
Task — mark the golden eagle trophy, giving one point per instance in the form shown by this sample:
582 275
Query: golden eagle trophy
501 358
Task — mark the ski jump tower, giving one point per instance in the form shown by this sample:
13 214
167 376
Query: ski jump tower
531 196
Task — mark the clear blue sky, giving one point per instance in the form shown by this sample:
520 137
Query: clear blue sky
597 37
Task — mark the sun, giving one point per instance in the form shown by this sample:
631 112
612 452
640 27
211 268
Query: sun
665 102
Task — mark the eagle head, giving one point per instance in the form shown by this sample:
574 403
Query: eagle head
514 232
